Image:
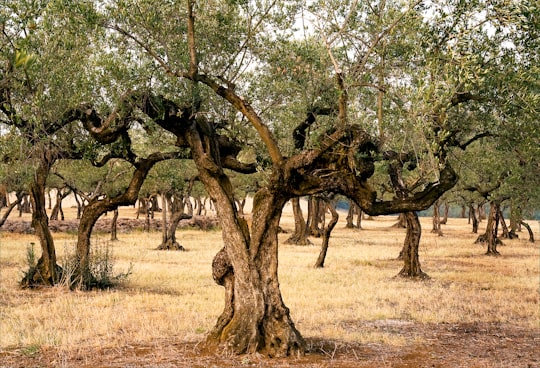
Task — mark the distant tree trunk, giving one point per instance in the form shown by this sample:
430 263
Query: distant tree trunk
114 227
444 220
436 220
154 205
46 272
326 234
314 216
198 206
473 217
8 211
354 210
481 212
61 194
169 229
411 267
401 221
189 205
360 214
49 198
490 236
350 216
505 234
300 236
25 205
464 212
531 235
79 205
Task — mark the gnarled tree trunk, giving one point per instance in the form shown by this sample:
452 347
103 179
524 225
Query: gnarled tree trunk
490 236
300 235
255 318
46 272
411 267
169 227
82 277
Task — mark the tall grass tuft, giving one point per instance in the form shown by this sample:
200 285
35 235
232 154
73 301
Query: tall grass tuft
101 268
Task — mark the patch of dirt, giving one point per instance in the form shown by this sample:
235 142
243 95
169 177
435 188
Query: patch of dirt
452 345
124 225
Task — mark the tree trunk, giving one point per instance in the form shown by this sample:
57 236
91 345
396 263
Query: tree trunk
505 234
490 236
401 222
8 211
300 236
481 212
82 277
326 236
444 220
531 235
46 272
25 205
61 194
354 210
314 216
411 267
114 227
474 218
255 319
464 211
169 228
79 205
360 214
436 220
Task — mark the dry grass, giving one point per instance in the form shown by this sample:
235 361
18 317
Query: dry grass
171 296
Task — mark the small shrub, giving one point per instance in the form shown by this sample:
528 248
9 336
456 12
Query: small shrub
101 267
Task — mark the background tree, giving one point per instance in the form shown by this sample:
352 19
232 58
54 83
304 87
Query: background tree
41 76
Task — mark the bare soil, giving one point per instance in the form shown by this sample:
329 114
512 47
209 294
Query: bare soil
467 345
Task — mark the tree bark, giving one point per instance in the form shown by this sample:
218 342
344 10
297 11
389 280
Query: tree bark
531 235
474 218
444 220
6 214
46 272
411 267
82 277
114 227
326 235
300 235
490 236
61 194
401 222
169 241
436 220
314 216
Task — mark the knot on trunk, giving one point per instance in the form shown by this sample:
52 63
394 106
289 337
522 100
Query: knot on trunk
221 267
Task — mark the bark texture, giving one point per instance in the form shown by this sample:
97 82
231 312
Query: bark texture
411 267
46 272
300 234
326 235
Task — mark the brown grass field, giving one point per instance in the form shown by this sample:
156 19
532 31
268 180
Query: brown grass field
475 311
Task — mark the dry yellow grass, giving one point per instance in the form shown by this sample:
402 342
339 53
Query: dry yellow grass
171 295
